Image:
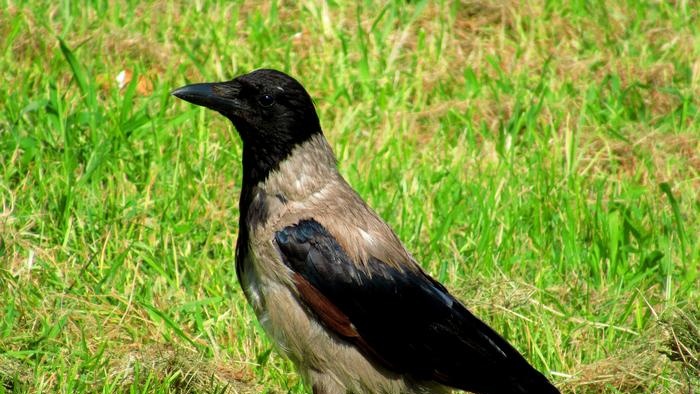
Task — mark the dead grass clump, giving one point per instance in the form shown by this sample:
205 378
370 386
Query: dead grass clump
33 41
672 344
683 344
475 18
634 371
497 296
653 157
187 371
13 374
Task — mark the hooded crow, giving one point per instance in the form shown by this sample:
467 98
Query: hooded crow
329 281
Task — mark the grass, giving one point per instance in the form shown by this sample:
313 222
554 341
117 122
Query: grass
540 158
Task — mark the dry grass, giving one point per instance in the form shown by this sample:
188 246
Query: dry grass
187 372
639 367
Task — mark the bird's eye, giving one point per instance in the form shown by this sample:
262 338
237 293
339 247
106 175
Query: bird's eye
266 100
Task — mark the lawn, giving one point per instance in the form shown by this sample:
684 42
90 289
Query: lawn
542 159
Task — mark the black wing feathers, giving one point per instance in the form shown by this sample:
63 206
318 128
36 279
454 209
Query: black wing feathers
403 318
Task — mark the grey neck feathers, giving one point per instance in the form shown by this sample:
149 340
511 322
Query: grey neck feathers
309 167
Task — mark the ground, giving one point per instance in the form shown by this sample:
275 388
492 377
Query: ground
542 159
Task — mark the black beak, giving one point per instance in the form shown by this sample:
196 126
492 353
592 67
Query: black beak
217 96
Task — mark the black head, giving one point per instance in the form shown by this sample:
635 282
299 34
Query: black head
272 112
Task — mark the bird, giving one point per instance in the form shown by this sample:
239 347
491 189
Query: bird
329 281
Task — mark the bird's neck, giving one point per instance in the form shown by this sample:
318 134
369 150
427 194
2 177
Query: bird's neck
307 168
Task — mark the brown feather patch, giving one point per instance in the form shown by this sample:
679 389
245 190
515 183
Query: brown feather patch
329 314
333 318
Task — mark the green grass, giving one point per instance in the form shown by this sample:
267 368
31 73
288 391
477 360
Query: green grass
542 159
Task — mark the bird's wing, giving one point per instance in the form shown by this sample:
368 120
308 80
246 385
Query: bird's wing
402 318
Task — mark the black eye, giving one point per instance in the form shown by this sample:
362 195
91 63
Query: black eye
266 100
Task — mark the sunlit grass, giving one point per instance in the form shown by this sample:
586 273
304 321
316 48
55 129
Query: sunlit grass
540 159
